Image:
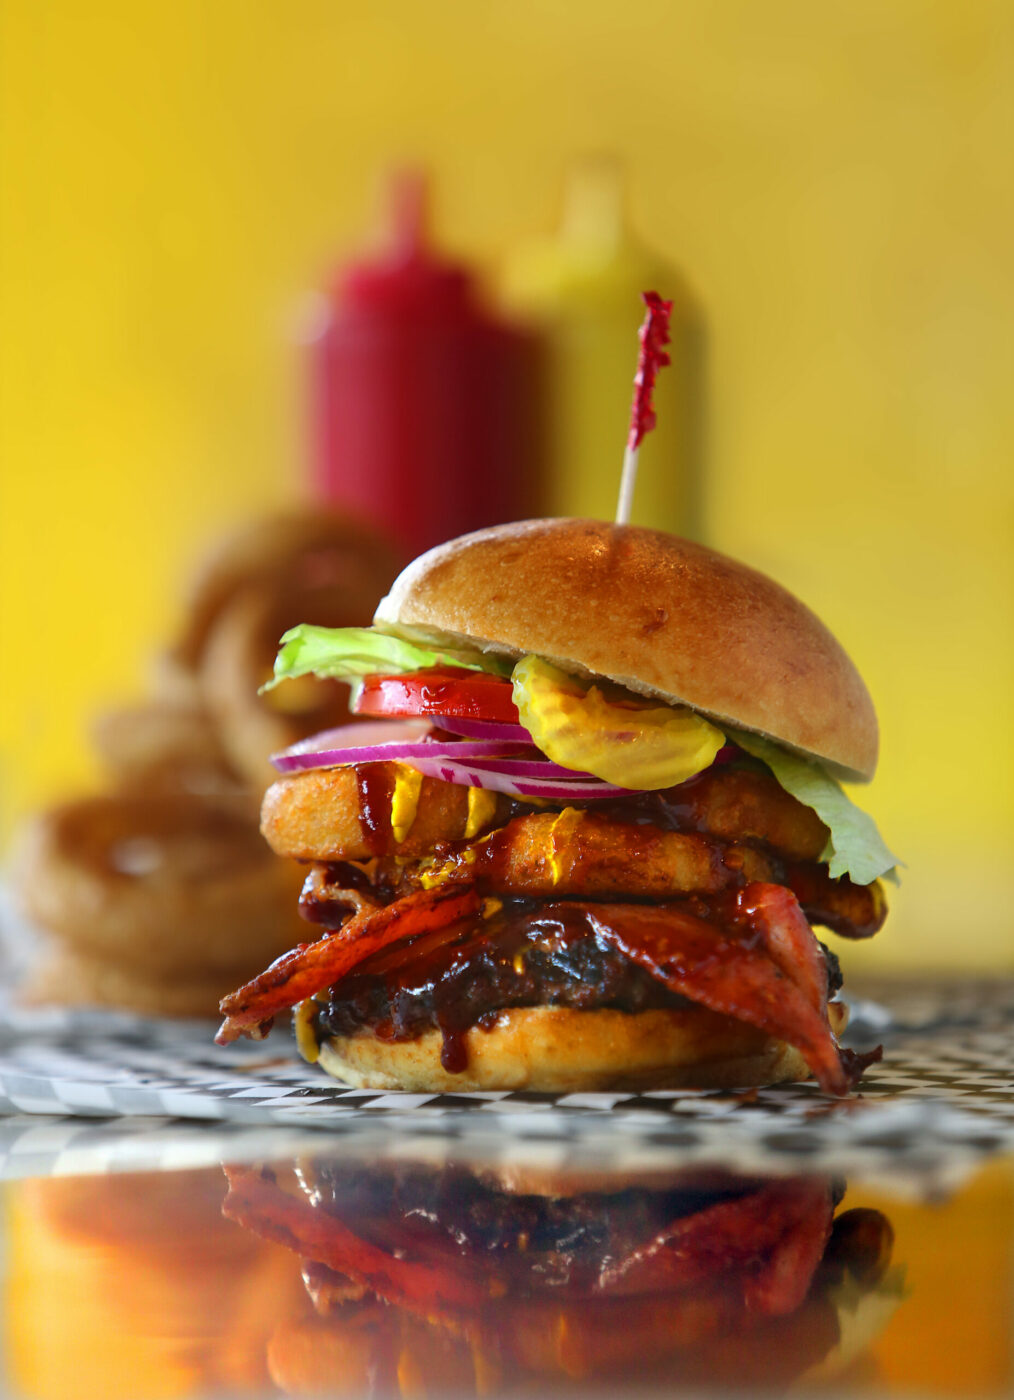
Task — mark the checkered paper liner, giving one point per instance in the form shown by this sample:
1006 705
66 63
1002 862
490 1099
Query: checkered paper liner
943 1095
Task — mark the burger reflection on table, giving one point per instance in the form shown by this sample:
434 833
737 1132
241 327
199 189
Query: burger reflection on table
428 1280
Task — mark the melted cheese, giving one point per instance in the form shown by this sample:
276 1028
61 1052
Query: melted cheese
432 876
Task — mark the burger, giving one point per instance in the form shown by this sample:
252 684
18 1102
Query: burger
428 1279
585 840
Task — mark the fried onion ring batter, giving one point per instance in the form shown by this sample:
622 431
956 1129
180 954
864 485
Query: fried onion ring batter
319 815
578 854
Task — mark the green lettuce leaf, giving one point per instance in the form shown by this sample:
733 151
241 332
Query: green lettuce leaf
855 847
350 653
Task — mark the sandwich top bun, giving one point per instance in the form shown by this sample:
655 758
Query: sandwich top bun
660 615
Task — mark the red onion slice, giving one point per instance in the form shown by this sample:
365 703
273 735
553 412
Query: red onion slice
483 729
439 764
350 736
535 765
309 753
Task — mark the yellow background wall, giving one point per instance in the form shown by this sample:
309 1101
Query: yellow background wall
835 180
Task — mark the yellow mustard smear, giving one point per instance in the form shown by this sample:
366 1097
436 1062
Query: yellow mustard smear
481 810
433 874
561 829
404 800
306 1041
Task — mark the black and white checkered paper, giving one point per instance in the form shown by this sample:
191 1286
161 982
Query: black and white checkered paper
943 1096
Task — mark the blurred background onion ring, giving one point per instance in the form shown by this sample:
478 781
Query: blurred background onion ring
175 887
160 893
161 747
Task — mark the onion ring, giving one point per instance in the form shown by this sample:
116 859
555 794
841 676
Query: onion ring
69 978
304 565
174 886
164 748
313 547
238 659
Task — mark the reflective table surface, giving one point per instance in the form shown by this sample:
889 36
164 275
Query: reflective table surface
291 1265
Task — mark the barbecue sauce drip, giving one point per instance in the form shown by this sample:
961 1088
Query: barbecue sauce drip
453 1051
376 792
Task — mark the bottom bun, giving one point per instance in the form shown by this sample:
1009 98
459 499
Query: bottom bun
553 1049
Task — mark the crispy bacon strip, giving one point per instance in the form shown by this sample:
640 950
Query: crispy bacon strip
260 1206
311 967
788 1220
782 1282
320 891
773 913
726 973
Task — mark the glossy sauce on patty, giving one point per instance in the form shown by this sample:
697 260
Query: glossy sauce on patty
523 955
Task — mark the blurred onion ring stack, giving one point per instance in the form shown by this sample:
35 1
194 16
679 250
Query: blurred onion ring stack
160 893
259 583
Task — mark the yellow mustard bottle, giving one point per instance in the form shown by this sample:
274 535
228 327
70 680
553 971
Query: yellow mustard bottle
582 288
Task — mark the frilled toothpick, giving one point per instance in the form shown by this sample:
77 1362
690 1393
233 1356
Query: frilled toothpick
653 335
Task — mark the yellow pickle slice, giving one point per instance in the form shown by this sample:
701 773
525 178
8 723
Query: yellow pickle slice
620 738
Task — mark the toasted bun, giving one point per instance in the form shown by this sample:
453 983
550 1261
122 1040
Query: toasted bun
659 615
554 1049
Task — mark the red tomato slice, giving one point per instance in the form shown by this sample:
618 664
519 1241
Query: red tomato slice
467 694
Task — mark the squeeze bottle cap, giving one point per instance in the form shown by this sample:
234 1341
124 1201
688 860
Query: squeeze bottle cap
408 276
592 260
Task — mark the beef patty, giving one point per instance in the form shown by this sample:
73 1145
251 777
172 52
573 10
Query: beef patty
521 955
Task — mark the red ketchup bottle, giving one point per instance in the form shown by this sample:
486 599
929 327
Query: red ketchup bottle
426 410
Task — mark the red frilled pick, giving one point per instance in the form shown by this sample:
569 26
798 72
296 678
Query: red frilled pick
653 335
